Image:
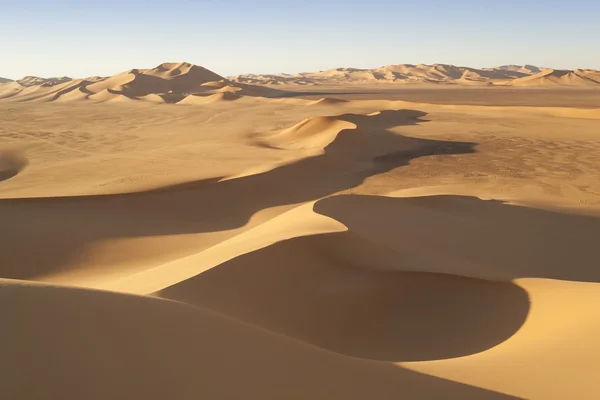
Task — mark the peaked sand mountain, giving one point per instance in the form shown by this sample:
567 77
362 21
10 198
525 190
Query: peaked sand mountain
166 83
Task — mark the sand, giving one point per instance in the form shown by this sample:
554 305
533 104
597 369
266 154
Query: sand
170 233
434 74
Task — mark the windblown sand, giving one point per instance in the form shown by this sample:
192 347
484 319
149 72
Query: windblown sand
231 246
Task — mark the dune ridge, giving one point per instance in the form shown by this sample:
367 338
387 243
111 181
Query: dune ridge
171 81
441 74
194 352
559 78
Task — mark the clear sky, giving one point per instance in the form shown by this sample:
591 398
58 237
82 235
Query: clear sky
103 37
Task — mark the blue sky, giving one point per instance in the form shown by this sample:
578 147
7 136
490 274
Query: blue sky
84 38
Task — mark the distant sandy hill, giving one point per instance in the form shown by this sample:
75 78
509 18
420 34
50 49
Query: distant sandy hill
166 83
506 75
186 83
37 81
524 69
551 77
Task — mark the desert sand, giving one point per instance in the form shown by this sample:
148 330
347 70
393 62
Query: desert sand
172 233
435 74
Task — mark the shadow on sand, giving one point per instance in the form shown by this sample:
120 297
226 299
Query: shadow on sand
60 228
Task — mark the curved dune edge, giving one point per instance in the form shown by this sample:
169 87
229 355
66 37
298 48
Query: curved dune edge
557 346
312 133
141 347
331 300
299 221
88 251
479 369
12 162
569 305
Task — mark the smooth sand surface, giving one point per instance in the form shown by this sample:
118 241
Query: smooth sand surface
169 233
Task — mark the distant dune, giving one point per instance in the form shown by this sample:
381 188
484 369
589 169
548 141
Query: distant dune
553 77
185 83
166 83
427 74
37 81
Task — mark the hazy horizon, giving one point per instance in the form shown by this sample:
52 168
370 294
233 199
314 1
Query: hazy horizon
73 39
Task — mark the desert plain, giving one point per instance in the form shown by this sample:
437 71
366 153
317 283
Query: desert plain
409 232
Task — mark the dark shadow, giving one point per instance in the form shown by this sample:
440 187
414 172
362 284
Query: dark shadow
60 228
468 236
144 348
11 163
316 290
80 86
7 174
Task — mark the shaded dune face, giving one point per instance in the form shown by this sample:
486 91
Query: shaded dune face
401 284
11 163
62 229
312 289
472 237
85 344
171 82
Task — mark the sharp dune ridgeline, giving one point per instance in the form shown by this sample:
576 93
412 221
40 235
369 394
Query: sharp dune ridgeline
172 233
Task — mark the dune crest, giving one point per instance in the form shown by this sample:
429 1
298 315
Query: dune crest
553 77
441 74
171 81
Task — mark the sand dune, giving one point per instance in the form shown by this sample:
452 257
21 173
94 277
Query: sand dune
9 89
109 345
264 245
11 163
176 82
217 97
359 309
523 69
37 81
426 74
82 250
172 81
553 355
556 77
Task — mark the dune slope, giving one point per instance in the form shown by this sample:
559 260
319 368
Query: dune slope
102 344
